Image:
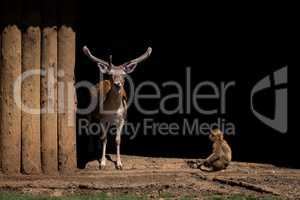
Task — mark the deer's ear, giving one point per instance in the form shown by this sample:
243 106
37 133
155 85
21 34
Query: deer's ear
130 67
103 68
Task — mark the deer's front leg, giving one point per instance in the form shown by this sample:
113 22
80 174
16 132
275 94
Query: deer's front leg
104 142
120 125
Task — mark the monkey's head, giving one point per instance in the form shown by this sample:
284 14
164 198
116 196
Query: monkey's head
216 134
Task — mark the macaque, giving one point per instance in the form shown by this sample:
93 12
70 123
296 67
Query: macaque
221 155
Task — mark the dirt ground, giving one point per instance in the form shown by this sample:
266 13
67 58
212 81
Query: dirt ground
159 177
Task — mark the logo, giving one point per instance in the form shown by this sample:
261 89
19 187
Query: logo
279 85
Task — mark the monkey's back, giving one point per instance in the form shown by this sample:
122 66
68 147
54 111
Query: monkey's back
226 151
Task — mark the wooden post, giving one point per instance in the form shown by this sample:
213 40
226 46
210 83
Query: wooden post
66 100
31 153
0 92
49 139
31 62
10 116
49 101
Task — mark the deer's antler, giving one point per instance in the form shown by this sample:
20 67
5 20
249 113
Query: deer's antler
129 66
97 60
139 59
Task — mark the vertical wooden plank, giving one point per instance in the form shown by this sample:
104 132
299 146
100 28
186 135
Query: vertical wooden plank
31 153
66 100
66 91
49 138
31 62
0 86
10 116
66 104
49 101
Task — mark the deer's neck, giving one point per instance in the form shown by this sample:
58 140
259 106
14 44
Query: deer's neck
113 100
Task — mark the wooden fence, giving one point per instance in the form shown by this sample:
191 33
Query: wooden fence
37 114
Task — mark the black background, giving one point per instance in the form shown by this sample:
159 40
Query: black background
220 42
219 45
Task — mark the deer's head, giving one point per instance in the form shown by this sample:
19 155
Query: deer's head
117 73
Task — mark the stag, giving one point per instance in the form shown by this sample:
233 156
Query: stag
113 99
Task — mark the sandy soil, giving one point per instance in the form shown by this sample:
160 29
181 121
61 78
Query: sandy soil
159 177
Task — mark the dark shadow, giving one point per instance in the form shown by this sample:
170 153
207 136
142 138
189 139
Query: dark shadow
215 52
109 158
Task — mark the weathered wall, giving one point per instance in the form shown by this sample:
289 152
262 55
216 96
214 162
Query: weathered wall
34 140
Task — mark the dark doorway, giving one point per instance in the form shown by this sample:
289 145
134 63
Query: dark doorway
217 50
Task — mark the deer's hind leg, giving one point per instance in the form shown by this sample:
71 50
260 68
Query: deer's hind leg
120 124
